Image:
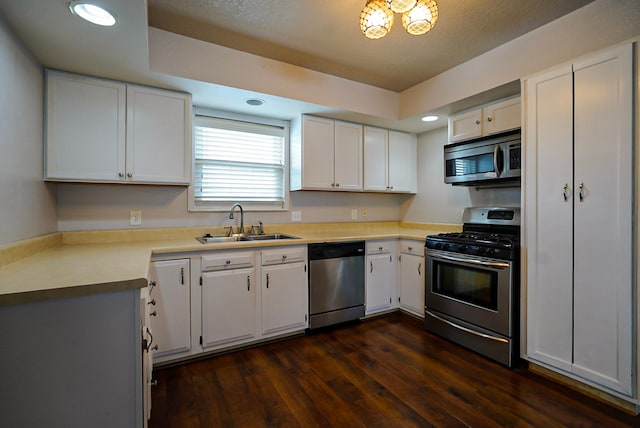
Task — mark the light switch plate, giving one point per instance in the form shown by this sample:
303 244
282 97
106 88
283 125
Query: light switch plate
296 215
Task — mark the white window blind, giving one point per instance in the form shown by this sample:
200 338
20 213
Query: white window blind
237 161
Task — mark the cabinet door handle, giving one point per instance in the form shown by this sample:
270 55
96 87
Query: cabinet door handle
152 302
267 280
129 175
182 275
581 192
477 122
337 184
248 283
489 119
121 174
153 314
565 192
151 285
419 267
371 263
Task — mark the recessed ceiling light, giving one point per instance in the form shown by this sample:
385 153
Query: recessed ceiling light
255 102
429 118
92 13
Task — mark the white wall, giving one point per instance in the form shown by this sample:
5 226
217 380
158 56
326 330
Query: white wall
27 204
97 206
437 202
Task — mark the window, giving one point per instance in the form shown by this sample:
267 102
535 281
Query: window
238 161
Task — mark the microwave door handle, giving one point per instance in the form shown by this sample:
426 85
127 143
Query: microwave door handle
500 265
497 161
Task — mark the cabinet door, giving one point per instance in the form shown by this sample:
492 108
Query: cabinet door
317 153
85 128
603 219
548 228
412 284
465 126
376 143
158 136
380 283
284 298
171 325
228 307
348 156
502 116
403 157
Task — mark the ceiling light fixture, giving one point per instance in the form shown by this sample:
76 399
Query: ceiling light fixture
430 118
92 13
254 102
418 16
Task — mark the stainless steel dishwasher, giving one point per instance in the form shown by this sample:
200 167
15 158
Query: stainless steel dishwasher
336 283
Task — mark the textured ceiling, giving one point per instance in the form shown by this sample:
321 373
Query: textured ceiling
324 35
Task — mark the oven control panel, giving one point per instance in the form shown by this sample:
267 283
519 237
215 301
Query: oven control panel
473 250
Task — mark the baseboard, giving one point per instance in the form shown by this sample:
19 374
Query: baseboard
605 397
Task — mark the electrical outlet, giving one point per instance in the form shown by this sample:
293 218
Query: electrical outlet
364 212
296 215
135 218
354 214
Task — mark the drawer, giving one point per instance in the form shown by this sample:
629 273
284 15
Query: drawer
380 247
284 255
227 260
412 247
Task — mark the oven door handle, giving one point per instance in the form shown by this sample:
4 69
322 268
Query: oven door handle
468 330
500 265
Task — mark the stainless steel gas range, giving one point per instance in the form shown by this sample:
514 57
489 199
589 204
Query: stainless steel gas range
472 283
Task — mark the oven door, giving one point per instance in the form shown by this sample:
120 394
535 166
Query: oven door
474 289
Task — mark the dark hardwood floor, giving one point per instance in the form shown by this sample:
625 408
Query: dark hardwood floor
383 372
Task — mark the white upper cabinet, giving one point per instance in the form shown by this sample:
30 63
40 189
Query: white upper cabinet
85 128
579 234
389 161
327 156
348 156
403 158
158 136
99 130
491 119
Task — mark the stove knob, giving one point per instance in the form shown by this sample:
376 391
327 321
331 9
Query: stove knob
445 246
438 245
463 248
481 250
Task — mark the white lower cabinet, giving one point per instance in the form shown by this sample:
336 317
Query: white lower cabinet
229 299
228 307
246 296
380 278
411 284
169 308
284 290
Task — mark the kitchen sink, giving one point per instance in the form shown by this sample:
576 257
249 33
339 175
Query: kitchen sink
220 239
208 239
269 236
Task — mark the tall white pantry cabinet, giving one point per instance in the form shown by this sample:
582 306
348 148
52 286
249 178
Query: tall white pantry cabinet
578 200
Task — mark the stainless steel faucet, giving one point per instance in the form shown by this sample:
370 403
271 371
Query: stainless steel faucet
241 217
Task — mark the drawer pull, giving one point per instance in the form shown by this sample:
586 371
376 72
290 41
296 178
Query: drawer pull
228 262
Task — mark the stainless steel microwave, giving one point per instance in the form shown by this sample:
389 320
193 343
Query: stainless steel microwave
483 162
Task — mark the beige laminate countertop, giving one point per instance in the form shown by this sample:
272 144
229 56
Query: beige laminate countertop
68 264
